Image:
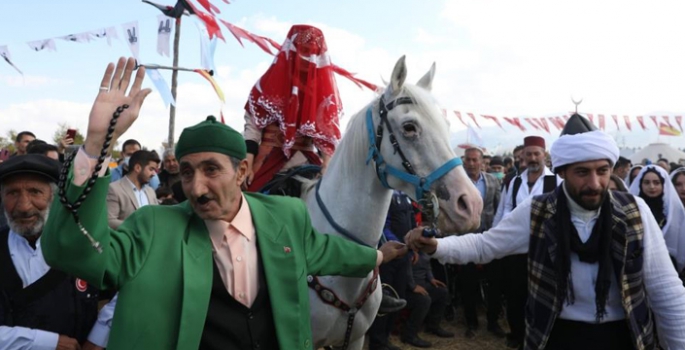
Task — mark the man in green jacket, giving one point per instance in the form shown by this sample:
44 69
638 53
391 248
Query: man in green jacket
223 270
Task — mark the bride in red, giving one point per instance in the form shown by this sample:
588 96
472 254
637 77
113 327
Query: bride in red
293 109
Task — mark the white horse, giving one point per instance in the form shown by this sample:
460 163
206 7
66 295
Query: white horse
357 201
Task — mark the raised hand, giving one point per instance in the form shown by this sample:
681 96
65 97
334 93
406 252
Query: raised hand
113 94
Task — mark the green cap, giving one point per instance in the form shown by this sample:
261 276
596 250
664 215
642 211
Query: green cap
211 136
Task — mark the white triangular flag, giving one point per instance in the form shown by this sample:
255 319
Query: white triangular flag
164 27
5 53
132 36
78 38
109 33
40 45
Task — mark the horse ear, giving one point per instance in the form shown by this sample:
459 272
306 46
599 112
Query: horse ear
426 81
399 74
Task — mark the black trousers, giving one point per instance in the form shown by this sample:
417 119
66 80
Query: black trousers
426 310
470 289
573 335
393 273
515 269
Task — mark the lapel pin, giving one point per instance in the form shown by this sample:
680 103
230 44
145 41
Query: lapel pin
286 249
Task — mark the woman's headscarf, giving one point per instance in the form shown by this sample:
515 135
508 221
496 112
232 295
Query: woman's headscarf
674 230
627 179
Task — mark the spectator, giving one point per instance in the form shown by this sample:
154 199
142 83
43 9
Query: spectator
617 184
130 193
41 147
678 179
622 167
663 162
170 173
22 141
127 149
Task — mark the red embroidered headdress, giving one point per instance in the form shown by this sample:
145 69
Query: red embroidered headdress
299 92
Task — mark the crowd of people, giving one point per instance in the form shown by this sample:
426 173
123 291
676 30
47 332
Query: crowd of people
576 248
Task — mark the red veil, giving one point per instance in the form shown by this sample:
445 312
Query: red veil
299 93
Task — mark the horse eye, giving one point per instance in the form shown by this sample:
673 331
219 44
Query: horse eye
409 129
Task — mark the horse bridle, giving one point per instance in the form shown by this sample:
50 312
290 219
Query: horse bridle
428 202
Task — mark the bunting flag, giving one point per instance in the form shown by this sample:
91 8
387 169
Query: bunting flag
600 118
212 27
164 26
626 119
207 47
656 123
566 118
561 122
668 122
641 120
205 74
5 53
240 33
515 122
554 122
161 85
474 119
531 123
458 114
40 45
666 130
615 118
589 116
77 38
109 33
131 34
679 120
350 76
493 118
543 123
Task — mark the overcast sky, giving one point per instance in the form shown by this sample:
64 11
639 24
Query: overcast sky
503 58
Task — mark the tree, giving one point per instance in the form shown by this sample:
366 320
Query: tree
8 141
62 131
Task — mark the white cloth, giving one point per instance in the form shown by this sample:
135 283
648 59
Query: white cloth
132 36
665 291
109 33
161 86
627 179
78 38
164 27
674 230
40 45
5 53
584 147
506 205
30 266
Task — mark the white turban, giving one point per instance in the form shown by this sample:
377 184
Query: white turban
583 147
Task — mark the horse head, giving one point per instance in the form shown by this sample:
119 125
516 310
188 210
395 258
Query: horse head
414 154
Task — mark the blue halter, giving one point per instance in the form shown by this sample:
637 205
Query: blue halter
383 169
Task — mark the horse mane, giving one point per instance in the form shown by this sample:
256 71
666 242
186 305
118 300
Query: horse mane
354 145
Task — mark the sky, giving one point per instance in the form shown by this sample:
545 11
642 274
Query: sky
502 58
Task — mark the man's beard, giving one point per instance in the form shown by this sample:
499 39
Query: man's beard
578 198
533 167
142 179
32 231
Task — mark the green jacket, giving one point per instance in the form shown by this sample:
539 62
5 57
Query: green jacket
160 260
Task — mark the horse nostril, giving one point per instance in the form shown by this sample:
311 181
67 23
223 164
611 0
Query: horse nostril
461 203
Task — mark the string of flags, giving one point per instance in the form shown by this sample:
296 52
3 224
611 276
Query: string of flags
665 124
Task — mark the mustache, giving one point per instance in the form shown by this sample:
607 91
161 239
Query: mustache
591 192
203 199
14 215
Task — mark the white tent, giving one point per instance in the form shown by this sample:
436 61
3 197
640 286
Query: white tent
658 150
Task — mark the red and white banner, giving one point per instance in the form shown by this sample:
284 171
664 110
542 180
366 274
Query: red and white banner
666 119
515 122
530 121
493 118
459 117
602 123
641 120
554 122
679 120
626 119
589 116
615 118
656 123
543 123
474 119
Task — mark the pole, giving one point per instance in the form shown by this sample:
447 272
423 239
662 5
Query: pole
174 83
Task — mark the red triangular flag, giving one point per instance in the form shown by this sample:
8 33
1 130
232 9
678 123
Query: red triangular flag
474 119
615 118
656 123
679 120
515 122
535 126
627 120
459 117
600 117
641 120
493 118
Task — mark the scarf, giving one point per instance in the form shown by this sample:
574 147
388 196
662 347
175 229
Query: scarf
597 249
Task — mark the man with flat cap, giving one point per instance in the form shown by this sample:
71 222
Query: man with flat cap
40 307
223 270
536 179
599 274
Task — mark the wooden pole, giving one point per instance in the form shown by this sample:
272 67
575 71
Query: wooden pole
174 83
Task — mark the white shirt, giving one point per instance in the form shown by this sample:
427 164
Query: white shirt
665 291
30 266
506 205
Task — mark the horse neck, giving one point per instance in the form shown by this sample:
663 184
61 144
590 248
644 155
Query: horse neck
354 196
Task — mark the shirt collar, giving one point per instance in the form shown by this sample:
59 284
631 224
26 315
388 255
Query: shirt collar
242 222
20 240
130 183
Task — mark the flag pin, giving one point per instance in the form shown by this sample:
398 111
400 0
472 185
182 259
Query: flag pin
286 249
